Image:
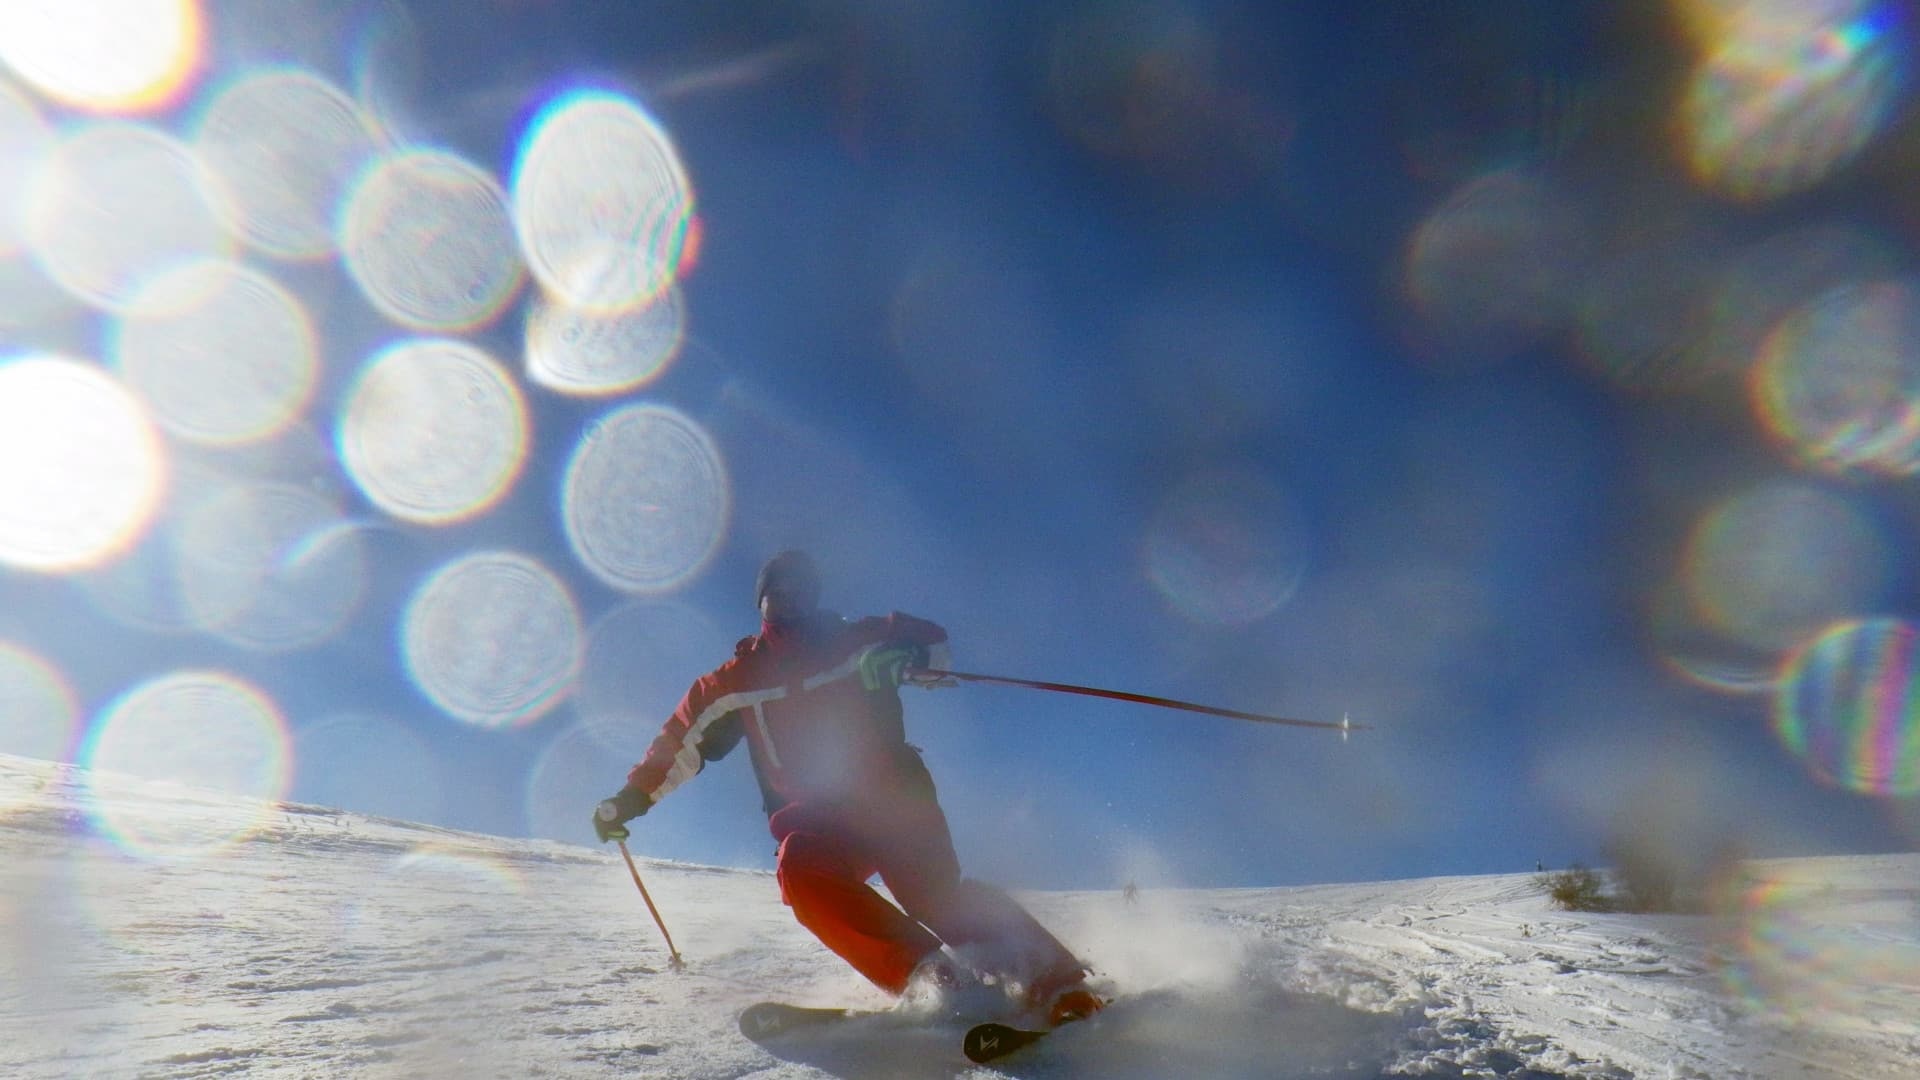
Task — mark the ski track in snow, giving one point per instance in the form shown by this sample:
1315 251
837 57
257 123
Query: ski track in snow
336 944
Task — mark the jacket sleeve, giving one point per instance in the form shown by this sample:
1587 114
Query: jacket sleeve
704 726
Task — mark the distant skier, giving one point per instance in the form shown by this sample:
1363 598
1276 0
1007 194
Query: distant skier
816 698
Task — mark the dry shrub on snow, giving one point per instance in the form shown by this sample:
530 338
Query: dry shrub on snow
1577 888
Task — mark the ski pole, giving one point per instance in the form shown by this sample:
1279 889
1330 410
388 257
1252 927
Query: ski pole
1345 725
676 963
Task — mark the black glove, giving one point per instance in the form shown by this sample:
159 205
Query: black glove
611 816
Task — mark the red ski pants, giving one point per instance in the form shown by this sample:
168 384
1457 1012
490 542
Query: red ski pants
828 854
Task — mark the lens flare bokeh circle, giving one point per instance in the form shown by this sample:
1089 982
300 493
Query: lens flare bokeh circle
1689 645
1807 944
82 469
637 663
1639 318
25 137
1848 706
186 764
222 353
588 353
427 237
113 204
601 202
1768 566
434 431
142 589
1764 282
436 884
1226 547
493 639
38 712
1494 268
1787 93
115 56
646 499
267 566
1839 379
288 146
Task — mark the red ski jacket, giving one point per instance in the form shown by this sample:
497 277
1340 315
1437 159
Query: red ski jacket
816 734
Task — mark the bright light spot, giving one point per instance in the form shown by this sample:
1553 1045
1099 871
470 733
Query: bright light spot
168 758
602 203
119 56
427 237
492 639
251 571
1839 380
590 353
81 471
645 499
1848 707
1788 91
38 714
1772 565
221 352
434 431
1226 547
115 204
289 146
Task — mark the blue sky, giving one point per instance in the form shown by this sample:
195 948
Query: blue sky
1485 375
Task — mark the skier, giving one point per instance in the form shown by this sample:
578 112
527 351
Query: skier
816 697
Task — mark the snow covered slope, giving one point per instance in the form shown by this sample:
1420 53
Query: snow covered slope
156 931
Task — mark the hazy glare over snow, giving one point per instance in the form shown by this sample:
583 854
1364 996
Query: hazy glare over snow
324 943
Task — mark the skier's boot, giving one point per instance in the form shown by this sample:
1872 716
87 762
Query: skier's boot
1065 996
1075 1004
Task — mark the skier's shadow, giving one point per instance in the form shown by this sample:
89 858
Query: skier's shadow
1271 1035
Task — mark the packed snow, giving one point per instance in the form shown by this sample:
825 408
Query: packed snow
158 931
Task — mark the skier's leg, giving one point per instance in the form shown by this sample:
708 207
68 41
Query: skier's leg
825 884
917 861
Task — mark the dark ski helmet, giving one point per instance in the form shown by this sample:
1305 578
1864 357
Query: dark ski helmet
793 571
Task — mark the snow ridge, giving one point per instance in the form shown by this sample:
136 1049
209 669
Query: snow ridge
326 943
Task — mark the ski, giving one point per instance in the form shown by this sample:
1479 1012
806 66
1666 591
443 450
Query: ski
771 1019
989 1041
984 1042
993 1039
